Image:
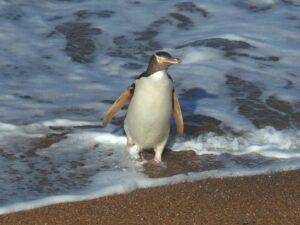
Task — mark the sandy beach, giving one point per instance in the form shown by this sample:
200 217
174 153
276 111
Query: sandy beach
261 199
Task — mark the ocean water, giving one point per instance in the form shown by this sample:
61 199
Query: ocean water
64 62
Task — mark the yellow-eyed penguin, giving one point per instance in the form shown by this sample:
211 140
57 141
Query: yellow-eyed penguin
152 99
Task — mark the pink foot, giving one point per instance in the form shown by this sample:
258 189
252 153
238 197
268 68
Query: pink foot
158 162
129 142
157 159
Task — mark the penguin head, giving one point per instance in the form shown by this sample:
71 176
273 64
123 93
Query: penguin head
166 59
161 61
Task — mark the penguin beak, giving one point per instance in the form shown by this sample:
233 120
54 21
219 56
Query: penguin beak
173 60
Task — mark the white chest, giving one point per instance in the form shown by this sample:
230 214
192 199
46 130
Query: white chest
153 91
159 76
156 82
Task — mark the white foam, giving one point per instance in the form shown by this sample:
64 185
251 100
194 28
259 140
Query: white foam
117 183
267 142
66 123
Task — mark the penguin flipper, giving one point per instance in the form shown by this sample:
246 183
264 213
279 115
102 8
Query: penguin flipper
116 106
178 114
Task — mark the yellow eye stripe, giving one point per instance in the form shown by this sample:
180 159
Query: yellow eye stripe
160 59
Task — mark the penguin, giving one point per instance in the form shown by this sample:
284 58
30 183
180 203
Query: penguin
152 101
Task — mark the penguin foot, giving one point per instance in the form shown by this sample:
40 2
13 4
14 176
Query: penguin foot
158 162
130 142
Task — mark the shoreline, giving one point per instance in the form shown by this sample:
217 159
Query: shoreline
272 198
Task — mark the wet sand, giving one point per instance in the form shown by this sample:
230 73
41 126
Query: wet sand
262 199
